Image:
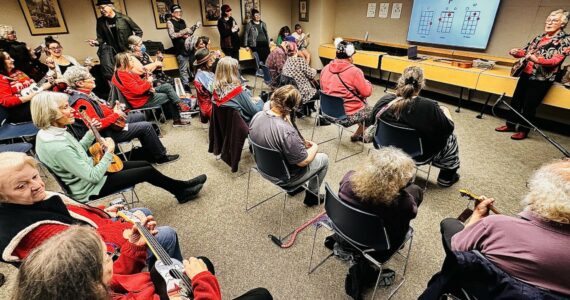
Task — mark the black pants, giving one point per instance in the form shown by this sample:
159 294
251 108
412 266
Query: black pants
233 52
527 97
135 172
19 113
449 227
256 294
140 129
262 49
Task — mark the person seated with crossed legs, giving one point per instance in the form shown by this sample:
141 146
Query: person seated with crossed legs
135 126
275 129
140 93
68 158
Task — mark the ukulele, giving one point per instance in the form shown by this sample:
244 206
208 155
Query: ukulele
301 42
175 282
465 64
520 64
98 149
471 197
35 87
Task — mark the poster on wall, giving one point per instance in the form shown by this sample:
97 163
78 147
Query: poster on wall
304 10
371 11
396 10
246 7
383 11
118 4
211 12
161 9
43 17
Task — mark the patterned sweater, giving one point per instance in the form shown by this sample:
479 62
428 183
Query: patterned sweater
297 68
550 51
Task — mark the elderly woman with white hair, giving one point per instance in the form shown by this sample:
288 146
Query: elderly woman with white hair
532 247
382 185
68 159
81 84
138 49
542 58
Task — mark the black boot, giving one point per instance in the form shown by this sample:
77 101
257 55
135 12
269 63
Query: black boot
447 177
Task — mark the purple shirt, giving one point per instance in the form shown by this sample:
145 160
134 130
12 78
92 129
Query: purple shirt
528 248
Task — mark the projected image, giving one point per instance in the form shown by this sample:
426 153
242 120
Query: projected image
465 23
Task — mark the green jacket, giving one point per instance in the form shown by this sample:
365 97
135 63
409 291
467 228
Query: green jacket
68 159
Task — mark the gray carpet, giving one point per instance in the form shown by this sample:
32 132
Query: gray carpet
216 224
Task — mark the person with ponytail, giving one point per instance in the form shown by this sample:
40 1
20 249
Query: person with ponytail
276 129
432 122
341 78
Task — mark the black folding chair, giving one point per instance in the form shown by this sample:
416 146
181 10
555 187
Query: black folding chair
404 138
271 165
332 109
364 231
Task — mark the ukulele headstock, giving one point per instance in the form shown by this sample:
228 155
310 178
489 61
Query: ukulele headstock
129 217
467 194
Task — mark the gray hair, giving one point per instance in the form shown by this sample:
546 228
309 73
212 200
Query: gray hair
4 29
45 108
134 40
564 16
74 74
549 195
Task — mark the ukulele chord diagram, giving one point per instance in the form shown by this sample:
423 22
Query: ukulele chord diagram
445 21
470 22
426 20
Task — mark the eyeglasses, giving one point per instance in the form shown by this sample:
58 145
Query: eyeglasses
553 21
113 255
55 48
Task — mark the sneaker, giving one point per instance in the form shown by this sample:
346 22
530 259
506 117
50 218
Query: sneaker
167 158
505 128
184 107
180 122
312 200
189 193
259 73
521 135
200 179
448 182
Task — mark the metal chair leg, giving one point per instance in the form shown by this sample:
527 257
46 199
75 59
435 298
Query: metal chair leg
311 270
282 216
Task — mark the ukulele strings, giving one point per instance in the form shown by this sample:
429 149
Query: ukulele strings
154 245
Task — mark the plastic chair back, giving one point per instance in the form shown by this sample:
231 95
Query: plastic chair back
270 162
116 95
332 106
60 182
401 137
3 115
17 147
354 225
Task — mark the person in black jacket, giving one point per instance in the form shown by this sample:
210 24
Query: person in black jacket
113 31
432 122
179 32
228 28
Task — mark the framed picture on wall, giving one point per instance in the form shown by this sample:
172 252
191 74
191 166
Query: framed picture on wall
161 10
43 17
246 7
210 12
118 4
304 10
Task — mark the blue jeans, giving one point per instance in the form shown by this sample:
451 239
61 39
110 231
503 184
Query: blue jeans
183 68
166 237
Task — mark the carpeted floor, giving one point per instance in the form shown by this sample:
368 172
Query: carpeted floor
217 226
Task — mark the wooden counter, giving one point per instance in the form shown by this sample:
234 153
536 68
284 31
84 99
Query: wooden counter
368 59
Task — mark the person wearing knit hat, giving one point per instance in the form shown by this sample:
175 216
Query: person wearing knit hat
179 32
229 29
341 78
296 67
204 64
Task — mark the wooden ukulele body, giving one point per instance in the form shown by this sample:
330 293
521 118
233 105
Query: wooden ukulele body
97 152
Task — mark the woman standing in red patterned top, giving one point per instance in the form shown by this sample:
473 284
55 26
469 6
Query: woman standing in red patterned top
544 55
12 82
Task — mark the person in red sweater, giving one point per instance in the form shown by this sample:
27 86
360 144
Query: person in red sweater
76 264
341 78
140 93
29 215
81 84
12 82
